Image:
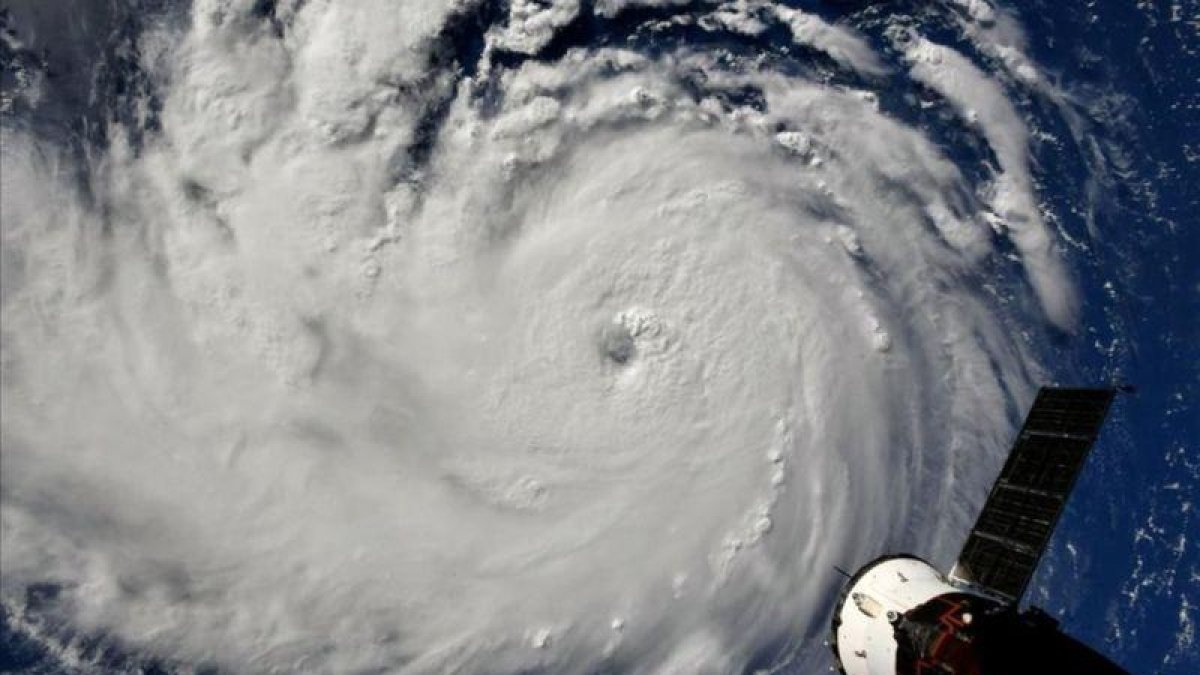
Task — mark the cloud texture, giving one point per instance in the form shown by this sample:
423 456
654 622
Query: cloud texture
363 358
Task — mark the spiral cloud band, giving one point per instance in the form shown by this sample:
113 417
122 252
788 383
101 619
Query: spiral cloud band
579 357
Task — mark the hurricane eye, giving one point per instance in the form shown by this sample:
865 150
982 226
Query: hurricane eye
617 345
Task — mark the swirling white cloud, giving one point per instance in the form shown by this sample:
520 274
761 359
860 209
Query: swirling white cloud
612 375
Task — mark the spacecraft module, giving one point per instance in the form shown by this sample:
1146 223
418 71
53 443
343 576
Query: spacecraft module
898 615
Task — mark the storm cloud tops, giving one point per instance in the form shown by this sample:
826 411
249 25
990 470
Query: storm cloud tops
438 337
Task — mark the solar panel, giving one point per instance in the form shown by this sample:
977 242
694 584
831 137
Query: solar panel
1003 549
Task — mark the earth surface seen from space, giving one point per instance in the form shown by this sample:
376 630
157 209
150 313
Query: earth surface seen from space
579 336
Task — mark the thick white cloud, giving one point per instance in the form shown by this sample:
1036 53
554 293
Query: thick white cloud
982 101
617 378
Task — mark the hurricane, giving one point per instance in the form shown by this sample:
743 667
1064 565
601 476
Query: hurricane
531 336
